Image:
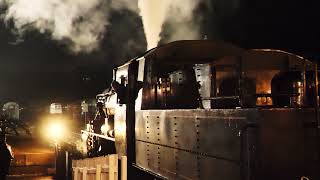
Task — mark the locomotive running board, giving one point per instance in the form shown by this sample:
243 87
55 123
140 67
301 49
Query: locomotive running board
98 135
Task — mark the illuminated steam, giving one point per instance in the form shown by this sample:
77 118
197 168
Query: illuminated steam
178 14
153 15
125 4
79 23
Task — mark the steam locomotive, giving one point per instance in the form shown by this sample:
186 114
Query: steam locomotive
210 110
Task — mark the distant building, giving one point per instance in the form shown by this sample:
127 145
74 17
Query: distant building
11 109
56 108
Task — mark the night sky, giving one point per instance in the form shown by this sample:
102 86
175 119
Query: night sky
41 70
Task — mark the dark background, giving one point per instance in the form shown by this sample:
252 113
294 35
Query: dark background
39 70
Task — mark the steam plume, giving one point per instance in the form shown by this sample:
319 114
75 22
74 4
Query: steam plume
125 4
178 14
81 24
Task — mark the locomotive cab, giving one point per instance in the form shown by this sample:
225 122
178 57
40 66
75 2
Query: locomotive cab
204 110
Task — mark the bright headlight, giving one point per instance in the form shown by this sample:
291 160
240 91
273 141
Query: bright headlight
84 136
56 131
105 128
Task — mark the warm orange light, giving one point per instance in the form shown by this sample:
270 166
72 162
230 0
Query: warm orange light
54 130
105 128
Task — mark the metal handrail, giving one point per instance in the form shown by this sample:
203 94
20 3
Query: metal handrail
99 135
257 95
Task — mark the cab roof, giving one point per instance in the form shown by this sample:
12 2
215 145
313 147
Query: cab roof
190 50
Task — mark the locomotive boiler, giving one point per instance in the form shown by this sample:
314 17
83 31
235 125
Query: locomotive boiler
210 110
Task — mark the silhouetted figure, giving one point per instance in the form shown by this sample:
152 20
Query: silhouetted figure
6 156
120 89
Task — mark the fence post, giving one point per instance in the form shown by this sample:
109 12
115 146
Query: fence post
76 175
98 172
124 168
81 168
116 166
111 167
84 173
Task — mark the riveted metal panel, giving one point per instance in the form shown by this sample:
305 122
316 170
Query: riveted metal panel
182 126
176 140
211 168
185 136
286 149
141 126
220 136
225 144
187 166
167 161
153 158
153 130
167 130
141 154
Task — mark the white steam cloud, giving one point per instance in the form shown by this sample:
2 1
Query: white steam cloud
125 4
81 24
177 13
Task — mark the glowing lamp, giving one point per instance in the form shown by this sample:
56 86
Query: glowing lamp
105 128
55 131
84 136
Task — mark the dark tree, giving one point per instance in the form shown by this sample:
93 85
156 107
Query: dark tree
8 125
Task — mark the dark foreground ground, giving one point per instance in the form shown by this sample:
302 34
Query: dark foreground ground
30 178
33 158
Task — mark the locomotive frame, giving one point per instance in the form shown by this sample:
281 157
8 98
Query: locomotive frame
175 118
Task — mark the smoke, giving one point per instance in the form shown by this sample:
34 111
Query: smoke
153 14
125 4
81 24
178 15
